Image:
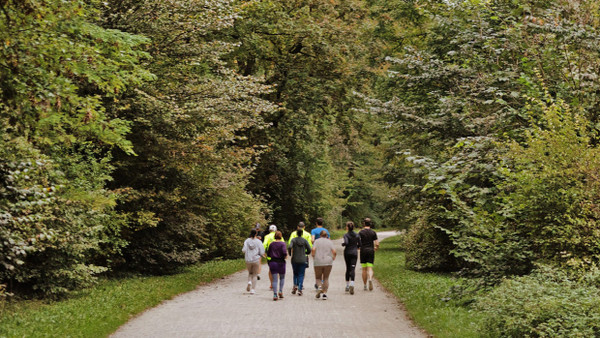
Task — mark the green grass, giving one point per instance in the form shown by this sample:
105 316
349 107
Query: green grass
99 311
421 294
336 234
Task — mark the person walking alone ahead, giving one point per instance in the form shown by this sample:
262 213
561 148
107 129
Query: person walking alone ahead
351 245
277 253
368 245
253 250
323 256
299 249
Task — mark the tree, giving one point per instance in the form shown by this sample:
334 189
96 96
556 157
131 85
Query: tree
186 196
57 68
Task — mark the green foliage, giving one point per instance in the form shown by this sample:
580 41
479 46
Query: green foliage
55 224
544 304
57 68
427 248
309 52
553 189
458 93
185 191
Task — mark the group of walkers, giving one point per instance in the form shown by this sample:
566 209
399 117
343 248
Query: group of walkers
303 244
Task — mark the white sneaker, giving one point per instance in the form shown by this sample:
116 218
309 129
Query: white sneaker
251 291
249 286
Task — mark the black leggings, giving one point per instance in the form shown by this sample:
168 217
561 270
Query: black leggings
350 266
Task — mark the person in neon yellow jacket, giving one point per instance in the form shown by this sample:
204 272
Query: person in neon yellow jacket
305 234
270 238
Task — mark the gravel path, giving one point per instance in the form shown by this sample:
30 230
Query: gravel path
225 309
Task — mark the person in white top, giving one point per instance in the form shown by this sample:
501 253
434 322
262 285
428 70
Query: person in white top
253 250
323 254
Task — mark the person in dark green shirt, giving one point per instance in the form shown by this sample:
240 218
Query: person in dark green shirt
299 248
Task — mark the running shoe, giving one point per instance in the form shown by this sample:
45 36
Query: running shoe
370 285
275 296
347 288
280 295
252 291
299 292
324 297
365 287
294 290
318 295
316 286
249 286
258 277
351 289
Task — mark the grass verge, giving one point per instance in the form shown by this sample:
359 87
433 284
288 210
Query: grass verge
99 311
421 293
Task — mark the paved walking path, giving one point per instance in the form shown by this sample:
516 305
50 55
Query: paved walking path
225 309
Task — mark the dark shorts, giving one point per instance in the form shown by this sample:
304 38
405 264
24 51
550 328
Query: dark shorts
367 257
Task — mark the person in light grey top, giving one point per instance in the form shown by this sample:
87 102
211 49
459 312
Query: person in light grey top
253 250
323 254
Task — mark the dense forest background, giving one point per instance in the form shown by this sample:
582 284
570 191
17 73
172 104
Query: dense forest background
147 135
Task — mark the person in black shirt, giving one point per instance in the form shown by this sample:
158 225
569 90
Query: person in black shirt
351 245
368 245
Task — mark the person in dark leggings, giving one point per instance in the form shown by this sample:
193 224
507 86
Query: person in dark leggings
351 245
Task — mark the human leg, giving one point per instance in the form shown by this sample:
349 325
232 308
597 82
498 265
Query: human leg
249 268
352 267
259 268
326 272
301 272
295 270
319 276
281 282
347 261
254 272
275 282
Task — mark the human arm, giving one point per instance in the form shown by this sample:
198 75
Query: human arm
345 240
376 244
313 251
333 252
285 252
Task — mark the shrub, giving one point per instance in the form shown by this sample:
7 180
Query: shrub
56 219
544 304
428 248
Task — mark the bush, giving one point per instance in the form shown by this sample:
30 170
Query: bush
428 248
544 304
56 220
553 187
